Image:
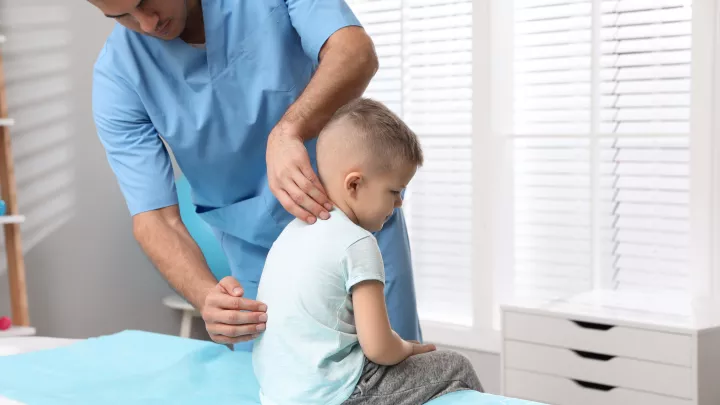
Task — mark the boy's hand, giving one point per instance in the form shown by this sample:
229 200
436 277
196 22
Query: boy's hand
419 348
413 347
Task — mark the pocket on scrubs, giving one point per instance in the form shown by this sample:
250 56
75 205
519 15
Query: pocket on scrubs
277 212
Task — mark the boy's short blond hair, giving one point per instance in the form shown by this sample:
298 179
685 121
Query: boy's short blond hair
389 142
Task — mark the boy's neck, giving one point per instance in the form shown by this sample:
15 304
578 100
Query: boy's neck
346 209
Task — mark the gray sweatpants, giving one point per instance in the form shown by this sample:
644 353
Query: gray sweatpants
416 380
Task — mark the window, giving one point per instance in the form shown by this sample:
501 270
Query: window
425 76
601 139
604 130
569 148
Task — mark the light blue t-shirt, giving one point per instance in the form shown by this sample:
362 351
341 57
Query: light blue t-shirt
310 352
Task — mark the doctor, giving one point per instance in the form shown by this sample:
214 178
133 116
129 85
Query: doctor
238 90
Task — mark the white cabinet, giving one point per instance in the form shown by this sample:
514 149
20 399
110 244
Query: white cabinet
608 348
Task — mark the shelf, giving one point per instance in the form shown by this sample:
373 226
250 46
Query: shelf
11 219
17 331
7 122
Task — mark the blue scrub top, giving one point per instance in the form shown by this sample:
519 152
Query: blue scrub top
214 107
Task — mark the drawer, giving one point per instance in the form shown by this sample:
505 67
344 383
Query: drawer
607 370
563 391
622 341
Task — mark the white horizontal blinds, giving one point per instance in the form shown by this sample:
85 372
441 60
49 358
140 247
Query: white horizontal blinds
382 19
645 66
637 205
645 195
552 72
437 104
552 234
644 185
552 177
425 52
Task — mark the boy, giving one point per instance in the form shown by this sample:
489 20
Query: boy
328 339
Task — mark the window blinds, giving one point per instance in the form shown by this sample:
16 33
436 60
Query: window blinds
425 76
601 155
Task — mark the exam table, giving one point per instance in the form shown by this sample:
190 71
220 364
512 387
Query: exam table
10 346
134 367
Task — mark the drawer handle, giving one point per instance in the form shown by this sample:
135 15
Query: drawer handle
594 356
594 386
592 325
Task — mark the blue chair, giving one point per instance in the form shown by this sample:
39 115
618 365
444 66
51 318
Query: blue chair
209 245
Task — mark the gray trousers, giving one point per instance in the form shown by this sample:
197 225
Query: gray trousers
416 380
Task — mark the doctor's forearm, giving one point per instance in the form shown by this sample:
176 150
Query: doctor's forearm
174 253
347 64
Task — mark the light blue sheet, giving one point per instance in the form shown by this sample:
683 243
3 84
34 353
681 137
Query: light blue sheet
134 367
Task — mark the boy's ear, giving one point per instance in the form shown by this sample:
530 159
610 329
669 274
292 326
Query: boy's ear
353 181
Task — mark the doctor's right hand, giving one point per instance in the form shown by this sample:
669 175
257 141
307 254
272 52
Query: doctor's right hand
229 317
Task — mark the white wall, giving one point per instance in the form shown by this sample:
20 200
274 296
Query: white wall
487 367
86 274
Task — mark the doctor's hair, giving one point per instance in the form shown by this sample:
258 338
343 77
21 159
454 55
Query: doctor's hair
386 138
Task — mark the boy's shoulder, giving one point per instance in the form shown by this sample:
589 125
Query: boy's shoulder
337 232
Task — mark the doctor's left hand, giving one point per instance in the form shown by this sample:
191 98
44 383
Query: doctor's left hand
293 180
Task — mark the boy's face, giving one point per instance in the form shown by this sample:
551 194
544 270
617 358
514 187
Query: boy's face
375 197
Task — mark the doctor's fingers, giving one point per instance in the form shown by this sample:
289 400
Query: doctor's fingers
224 301
310 183
228 340
306 195
230 285
231 331
296 210
228 317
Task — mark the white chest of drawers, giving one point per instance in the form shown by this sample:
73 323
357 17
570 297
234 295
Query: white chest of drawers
605 348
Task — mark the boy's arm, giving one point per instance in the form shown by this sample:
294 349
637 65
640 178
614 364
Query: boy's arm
379 342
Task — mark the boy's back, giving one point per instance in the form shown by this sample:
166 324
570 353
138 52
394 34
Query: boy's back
310 353
329 339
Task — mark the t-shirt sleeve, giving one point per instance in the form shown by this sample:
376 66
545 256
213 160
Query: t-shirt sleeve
363 262
316 20
134 150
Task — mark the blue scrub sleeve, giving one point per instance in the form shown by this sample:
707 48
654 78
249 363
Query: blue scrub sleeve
317 20
134 150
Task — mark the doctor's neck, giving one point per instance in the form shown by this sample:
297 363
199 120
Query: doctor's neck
194 32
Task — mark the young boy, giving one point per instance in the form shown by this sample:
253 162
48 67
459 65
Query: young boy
328 339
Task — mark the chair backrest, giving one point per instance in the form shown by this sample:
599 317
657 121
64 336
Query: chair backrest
200 231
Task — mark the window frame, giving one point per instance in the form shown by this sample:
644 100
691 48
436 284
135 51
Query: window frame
492 169
715 128
704 156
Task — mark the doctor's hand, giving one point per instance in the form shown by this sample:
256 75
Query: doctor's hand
231 318
293 180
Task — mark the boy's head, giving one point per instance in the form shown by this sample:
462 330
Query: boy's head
366 156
